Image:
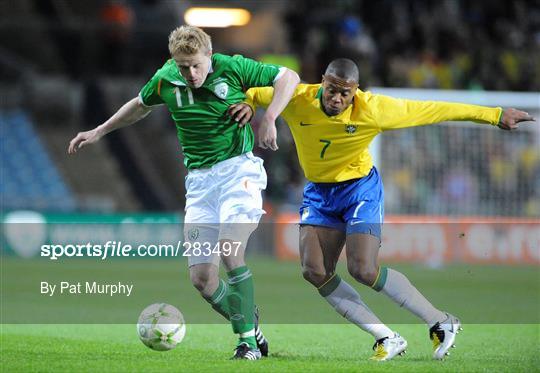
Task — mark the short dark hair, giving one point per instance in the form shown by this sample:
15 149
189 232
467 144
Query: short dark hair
344 68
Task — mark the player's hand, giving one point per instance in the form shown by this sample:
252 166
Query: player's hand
268 134
511 117
82 139
241 113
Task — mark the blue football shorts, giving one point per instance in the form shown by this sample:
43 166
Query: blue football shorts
352 206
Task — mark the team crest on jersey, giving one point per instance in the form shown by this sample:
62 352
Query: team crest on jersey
221 90
350 128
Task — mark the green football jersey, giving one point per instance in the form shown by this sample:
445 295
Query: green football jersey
205 131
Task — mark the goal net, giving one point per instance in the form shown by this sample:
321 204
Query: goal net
460 168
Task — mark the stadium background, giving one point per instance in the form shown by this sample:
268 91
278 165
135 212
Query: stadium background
67 66
462 200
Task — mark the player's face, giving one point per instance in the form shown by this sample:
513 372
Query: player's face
337 94
194 67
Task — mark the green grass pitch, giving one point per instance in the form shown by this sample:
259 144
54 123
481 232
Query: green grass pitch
498 306
294 348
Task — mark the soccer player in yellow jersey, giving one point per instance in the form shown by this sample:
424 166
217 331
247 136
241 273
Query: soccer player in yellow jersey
332 124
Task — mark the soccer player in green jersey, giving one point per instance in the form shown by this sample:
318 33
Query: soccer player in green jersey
333 124
225 180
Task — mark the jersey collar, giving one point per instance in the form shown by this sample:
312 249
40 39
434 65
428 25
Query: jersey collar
319 94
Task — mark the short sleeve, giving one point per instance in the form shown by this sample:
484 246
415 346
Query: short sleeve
150 93
256 74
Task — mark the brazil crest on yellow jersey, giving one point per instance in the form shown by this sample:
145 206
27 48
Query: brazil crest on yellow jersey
334 149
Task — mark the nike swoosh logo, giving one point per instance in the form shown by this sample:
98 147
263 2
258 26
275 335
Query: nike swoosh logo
305 124
357 222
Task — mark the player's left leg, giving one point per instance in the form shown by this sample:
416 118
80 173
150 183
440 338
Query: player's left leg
240 208
443 326
240 296
218 292
362 263
364 217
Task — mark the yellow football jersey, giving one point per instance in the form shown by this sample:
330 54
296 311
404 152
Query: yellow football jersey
334 149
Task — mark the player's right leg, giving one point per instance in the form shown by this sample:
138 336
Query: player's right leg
320 248
205 278
204 265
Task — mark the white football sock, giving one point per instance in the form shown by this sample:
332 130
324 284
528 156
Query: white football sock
346 301
398 288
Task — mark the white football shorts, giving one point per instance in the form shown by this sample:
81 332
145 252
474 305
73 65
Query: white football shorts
223 202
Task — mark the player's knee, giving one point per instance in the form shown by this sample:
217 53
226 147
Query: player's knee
364 274
202 281
314 275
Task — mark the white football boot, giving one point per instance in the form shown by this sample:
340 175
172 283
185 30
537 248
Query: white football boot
443 334
387 348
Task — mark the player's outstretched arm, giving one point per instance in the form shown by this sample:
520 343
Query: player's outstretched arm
131 112
391 113
511 118
283 90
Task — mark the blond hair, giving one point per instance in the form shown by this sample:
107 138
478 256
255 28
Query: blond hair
189 40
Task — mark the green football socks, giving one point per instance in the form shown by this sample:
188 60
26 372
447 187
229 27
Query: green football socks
219 300
234 301
241 304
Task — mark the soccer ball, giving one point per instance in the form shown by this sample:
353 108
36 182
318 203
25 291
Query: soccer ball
161 326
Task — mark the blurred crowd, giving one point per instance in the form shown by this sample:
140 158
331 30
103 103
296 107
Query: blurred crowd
87 39
446 44
456 170
441 44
